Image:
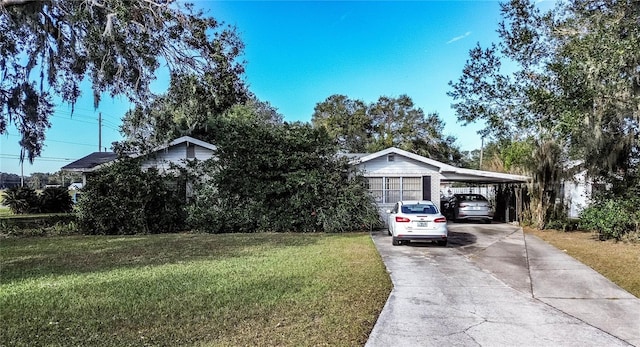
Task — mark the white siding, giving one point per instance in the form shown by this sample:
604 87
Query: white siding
175 154
577 194
401 167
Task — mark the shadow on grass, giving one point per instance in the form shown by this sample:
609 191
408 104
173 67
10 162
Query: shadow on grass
26 258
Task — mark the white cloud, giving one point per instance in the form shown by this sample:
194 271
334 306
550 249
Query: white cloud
457 38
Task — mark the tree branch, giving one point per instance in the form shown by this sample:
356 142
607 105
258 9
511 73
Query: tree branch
9 3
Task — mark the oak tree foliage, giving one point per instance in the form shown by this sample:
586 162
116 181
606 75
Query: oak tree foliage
568 80
48 48
389 122
277 178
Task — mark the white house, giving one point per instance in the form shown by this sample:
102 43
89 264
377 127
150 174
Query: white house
577 193
176 152
394 174
75 186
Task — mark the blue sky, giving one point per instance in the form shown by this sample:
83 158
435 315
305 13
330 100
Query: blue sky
298 53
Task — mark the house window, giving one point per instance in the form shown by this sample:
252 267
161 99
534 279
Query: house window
376 188
389 190
392 189
391 157
191 151
411 188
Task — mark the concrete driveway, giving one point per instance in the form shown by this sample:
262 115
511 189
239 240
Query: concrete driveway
496 286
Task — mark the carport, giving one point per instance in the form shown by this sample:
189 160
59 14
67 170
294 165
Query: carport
508 188
394 174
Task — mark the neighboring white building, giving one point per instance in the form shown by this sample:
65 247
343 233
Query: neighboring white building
394 174
76 186
176 152
577 194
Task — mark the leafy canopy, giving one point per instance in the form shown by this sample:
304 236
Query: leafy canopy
573 78
47 49
277 177
567 82
389 122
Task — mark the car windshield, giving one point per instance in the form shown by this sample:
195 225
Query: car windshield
419 209
472 197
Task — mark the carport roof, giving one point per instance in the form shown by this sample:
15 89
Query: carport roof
449 173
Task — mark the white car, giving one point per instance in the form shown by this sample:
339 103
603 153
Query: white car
417 221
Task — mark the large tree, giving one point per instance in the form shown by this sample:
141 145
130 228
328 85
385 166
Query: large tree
47 49
191 102
345 120
397 122
277 177
571 85
389 122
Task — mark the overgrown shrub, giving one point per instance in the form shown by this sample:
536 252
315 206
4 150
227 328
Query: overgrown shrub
21 200
612 218
123 199
55 200
279 178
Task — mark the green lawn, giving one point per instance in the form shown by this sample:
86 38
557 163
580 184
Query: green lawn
187 289
4 210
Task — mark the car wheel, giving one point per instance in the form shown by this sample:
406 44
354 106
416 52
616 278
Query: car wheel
396 242
487 221
442 243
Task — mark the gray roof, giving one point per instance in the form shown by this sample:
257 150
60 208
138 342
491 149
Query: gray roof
448 172
89 162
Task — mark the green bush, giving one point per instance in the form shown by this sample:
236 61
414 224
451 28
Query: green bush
55 200
612 218
21 200
123 199
278 178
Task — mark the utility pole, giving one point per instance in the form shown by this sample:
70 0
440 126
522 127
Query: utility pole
99 131
481 152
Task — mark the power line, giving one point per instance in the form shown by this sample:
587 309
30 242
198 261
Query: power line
91 111
67 142
53 159
111 127
86 110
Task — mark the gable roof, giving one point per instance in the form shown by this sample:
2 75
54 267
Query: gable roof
404 153
183 139
449 173
95 160
90 162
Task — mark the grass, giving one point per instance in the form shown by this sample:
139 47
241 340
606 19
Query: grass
5 211
191 289
618 261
